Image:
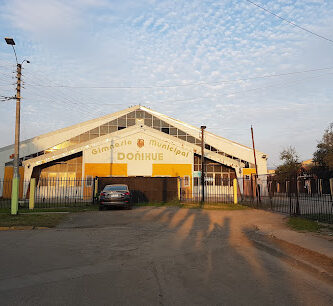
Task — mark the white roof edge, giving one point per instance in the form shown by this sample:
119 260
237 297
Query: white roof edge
73 126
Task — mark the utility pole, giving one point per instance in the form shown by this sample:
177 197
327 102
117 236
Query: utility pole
16 162
255 163
16 174
202 164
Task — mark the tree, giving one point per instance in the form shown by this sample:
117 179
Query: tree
323 157
291 165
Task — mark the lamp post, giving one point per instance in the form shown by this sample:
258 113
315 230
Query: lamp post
16 171
203 127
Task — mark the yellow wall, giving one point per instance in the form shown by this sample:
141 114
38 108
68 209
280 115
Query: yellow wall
96 169
174 170
8 175
249 171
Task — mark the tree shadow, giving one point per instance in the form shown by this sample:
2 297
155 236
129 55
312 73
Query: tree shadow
213 254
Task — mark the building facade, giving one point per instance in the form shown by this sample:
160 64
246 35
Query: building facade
134 142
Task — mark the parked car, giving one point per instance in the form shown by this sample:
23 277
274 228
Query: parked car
115 195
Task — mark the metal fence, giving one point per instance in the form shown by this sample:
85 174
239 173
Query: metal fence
50 193
214 192
308 197
305 196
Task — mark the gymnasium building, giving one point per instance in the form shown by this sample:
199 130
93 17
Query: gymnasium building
134 142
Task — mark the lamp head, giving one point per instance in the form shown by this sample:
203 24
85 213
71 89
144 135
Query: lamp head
10 41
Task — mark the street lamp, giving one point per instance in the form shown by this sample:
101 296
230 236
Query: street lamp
16 172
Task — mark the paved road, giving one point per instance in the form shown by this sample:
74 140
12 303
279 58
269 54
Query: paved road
151 256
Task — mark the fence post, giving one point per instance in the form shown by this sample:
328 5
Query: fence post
297 199
32 193
320 181
289 195
235 191
331 187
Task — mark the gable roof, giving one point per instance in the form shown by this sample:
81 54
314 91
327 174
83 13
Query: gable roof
215 143
51 156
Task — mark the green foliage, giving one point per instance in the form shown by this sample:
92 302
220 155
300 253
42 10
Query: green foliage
323 157
301 224
291 165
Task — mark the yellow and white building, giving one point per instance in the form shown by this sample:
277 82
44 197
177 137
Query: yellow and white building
134 142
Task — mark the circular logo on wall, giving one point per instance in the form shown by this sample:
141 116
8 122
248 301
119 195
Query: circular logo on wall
140 143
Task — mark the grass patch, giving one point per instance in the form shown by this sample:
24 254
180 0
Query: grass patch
301 224
35 220
57 209
219 206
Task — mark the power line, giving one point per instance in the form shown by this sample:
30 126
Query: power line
180 85
290 22
279 85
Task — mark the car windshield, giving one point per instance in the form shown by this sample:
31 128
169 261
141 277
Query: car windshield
115 188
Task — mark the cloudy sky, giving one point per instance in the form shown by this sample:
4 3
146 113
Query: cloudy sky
225 64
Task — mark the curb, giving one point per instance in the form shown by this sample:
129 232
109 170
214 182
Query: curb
21 228
290 259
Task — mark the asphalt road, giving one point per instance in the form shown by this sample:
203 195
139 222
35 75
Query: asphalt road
151 256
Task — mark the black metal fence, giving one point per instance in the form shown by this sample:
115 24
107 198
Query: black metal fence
308 197
305 196
214 191
50 193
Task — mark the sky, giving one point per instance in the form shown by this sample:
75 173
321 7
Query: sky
225 64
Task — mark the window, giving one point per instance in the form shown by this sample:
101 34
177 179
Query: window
122 121
173 131
148 122
140 114
218 179
121 128
225 179
209 179
186 181
131 115
115 188
130 122
165 130
89 181
196 181
190 139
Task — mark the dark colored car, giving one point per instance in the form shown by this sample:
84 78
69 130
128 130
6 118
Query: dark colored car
115 195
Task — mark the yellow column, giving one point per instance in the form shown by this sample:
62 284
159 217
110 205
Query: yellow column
32 193
96 188
235 191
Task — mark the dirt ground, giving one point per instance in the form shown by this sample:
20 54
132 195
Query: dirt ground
153 256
